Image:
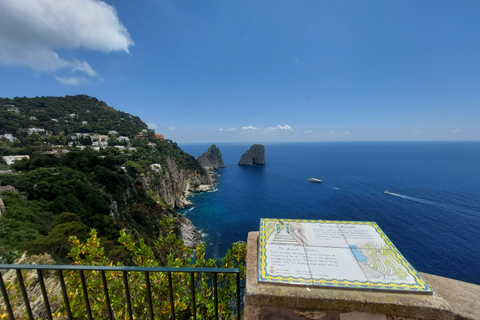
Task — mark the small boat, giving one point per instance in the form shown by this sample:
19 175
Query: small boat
387 192
315 180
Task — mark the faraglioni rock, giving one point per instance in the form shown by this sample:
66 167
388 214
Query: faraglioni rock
212 159
253 156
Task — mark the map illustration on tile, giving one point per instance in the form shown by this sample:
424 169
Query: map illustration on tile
341 254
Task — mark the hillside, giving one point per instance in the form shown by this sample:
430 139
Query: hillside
65 116
77 177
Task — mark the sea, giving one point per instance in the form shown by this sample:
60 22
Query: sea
432 214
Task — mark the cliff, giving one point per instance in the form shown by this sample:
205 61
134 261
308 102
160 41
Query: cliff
174 184
212 159
253 156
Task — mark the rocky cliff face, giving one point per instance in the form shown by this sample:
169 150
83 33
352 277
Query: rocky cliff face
253 156
173 184
212 159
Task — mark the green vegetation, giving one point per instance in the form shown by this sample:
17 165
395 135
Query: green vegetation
61 192
84 184
91 252
65 116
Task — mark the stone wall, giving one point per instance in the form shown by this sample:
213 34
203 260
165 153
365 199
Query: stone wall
451 299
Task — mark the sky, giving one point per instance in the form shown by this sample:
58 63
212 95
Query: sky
256 71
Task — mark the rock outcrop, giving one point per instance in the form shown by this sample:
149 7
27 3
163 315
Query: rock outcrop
176 184
253 156
212 159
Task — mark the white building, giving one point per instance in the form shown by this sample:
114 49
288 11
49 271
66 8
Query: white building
11 159
156 167
8 136
123 138
35 130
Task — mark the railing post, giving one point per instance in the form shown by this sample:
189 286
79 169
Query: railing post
238 295
170 290
215 294
5 298
24 294
64 293
107 297
127 294
192 288
149 294
44 294
85 295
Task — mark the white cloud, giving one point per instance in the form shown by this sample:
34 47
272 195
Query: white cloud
231 129
72 80
279 127
172 128
346 132
221 129
308 131
152 125
331 132
31 31
455 130
249 128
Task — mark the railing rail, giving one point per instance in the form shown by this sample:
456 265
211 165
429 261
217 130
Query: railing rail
125 270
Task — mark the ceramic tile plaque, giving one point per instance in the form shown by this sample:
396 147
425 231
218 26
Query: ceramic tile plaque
341 254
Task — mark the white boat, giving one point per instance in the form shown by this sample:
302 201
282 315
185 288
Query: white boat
315 180
387 192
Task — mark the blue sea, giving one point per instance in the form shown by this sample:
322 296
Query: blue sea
433 215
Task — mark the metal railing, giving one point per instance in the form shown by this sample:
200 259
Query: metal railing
146 271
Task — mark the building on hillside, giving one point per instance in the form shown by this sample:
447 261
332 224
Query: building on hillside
113 132
33 118
35 130
124 138
84 122
11 108
157 167
159 136
11 159
99 143
8 136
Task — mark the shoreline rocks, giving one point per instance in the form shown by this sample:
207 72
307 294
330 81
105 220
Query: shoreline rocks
253 156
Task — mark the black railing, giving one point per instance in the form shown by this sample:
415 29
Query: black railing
211 283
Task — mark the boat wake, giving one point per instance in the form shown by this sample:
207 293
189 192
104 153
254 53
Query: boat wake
433 203
437 204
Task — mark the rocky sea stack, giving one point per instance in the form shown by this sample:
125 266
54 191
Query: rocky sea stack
212 159
253 156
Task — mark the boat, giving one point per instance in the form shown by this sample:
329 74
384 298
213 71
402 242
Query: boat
387 192
315 180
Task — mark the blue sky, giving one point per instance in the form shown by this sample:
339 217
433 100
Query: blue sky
256 71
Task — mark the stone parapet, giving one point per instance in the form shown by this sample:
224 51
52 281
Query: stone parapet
451 299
